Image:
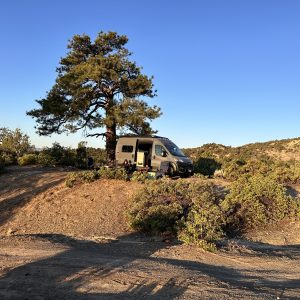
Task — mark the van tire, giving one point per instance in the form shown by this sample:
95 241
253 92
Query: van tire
172 170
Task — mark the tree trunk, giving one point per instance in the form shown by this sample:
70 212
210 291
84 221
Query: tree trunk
111 141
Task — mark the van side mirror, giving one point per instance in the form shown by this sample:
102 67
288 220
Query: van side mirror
164 153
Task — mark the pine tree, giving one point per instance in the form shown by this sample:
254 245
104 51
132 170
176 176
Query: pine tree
98 86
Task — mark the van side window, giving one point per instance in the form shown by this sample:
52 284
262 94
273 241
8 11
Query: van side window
127 148
159 150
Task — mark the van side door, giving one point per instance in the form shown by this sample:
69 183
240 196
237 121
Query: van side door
159 155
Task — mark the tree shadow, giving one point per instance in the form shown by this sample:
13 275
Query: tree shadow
129 268
206 166
72 273
21 184
260 249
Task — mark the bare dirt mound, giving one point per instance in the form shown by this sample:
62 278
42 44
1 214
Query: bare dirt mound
20 185
86 210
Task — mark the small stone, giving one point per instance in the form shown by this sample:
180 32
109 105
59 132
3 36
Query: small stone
9 232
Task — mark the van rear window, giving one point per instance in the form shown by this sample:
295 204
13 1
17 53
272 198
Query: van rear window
127 148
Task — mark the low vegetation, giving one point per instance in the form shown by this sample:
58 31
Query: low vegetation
28 159
159 205
58 155
77 177
141 177
13 144
275 158
255 201
74 178
200 213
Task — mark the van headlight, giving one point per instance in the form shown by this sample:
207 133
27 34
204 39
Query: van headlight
179 160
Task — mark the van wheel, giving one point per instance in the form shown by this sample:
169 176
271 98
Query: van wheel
171 171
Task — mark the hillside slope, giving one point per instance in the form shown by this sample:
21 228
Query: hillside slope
280 158
287 149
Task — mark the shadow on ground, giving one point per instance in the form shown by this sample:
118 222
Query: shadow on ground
128 268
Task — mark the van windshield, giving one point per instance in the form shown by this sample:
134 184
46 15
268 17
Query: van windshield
172 148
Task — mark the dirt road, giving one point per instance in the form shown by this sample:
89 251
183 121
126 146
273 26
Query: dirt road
39 261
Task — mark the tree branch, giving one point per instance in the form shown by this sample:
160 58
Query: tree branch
96 134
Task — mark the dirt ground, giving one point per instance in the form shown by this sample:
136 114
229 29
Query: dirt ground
62 243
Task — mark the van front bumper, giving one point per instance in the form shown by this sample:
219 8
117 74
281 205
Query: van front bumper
185 168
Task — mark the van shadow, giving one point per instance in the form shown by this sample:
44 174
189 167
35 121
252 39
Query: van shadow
128 268
20 184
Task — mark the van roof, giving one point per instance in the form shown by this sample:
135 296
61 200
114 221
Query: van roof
143 136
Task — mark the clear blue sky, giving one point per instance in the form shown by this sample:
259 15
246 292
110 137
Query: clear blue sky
226 71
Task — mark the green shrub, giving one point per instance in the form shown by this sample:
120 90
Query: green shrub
121 174
256 201
28 159
200 213
81 155
199 176
98 155
157 207
139 176
287 172
68 158
112 173
170 206
46 159
79 177
90 176
9 158
234 168
205 220
206 166
71 179
57 155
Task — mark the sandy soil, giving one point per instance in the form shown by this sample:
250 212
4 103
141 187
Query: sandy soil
87 210
61 243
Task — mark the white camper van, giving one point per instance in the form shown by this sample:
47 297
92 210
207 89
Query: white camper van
153 152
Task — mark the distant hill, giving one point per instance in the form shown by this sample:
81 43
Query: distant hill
280 158
284 150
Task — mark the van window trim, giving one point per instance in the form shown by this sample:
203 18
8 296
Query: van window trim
122 148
